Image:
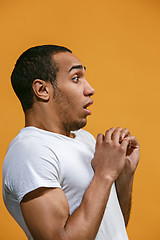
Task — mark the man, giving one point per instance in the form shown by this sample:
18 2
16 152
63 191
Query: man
58 183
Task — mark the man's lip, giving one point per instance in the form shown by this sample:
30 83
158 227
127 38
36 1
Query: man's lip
88 104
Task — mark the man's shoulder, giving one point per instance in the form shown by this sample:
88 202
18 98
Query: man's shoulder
28 144
29 148
23 139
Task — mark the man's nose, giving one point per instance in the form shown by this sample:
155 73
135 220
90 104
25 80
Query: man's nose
88 90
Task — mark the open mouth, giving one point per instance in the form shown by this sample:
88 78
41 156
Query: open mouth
86 107
88 104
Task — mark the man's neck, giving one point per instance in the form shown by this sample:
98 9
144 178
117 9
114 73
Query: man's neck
43 122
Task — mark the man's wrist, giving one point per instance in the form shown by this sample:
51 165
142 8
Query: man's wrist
104 178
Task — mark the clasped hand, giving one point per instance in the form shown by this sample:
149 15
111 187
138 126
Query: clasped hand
115 152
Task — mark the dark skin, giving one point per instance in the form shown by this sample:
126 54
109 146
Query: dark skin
116 158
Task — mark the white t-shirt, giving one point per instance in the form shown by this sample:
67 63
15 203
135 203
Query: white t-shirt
38 158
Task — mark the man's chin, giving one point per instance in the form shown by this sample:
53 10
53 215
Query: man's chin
79 125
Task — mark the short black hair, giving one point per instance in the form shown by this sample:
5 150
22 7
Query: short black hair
35 63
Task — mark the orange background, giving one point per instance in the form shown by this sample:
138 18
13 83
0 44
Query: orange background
119 42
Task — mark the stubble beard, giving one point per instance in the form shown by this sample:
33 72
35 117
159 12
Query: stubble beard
63 104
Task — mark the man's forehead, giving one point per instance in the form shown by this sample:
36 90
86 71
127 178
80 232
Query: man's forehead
67 61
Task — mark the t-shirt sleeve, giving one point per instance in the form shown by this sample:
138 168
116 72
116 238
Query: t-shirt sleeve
33 166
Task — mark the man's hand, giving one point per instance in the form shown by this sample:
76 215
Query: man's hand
132 153
110 154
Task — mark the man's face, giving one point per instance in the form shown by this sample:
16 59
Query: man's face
72 95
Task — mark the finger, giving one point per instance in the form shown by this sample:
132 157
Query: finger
125 144
124 133
133 142
116 134
100 138
108 134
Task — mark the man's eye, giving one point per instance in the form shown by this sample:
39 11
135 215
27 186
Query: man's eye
76 79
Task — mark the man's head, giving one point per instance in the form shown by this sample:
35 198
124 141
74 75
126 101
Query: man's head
50 81
35 63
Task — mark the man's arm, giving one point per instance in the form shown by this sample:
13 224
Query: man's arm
47 215
124 182
46 211
124 191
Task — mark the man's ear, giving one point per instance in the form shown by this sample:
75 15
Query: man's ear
41 89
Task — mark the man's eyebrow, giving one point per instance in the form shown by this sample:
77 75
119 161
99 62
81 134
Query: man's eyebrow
77 67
